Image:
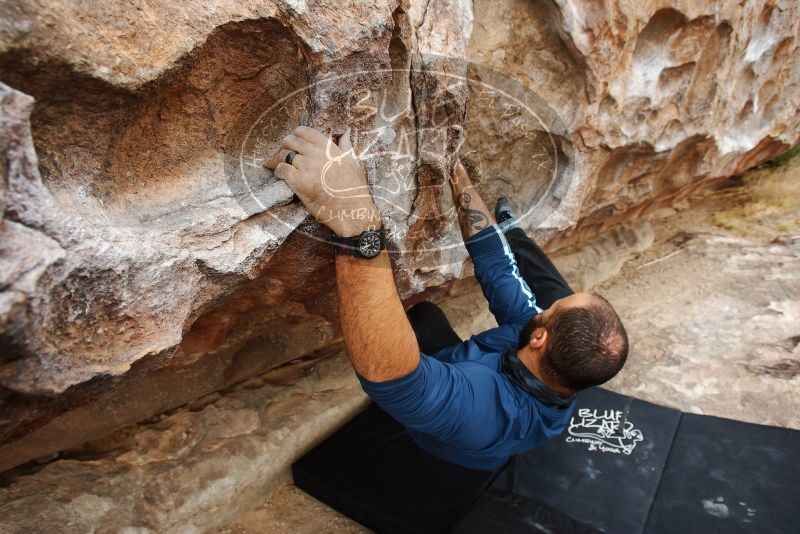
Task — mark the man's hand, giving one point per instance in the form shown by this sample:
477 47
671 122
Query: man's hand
328 180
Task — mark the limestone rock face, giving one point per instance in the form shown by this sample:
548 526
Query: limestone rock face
148 259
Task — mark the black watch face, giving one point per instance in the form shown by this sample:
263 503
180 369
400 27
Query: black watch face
370 244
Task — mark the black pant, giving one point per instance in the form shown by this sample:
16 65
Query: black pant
434 331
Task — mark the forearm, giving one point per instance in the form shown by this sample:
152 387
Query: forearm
473 215
379 339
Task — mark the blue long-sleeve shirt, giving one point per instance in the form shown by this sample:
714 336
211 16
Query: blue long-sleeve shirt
457 404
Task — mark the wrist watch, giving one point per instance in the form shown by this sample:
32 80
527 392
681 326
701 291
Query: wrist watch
367 244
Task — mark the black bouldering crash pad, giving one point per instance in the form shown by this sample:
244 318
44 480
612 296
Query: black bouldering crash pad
622 466
504 512
728 476
371 471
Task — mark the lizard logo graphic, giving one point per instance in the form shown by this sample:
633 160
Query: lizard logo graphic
408 125
605 431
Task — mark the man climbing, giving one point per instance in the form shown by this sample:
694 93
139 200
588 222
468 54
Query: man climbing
477 402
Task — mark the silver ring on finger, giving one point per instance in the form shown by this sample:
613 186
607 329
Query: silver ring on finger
290 157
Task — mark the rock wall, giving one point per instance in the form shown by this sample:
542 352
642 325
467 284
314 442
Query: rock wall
146 257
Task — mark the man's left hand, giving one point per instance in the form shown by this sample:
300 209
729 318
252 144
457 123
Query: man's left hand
328 180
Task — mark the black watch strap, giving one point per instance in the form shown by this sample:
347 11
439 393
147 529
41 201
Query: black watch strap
367 244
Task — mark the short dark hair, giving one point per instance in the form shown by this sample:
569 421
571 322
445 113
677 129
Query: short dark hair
587 345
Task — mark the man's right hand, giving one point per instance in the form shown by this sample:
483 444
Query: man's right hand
328 179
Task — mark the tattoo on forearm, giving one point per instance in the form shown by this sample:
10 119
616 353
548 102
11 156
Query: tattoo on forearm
468 217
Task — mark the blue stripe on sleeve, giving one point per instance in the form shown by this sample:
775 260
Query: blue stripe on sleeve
515 272
510 298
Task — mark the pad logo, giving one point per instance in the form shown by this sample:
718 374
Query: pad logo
604 431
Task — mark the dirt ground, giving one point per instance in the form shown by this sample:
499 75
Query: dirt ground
713 307
711 302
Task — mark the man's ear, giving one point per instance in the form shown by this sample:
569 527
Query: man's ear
538 339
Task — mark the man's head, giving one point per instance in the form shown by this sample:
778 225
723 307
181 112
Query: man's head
577 343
